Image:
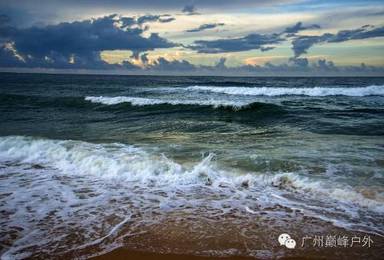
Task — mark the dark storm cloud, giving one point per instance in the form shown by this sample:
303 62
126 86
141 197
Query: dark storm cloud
78 44
206 27
249 42
301 44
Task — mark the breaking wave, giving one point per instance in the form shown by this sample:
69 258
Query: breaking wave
135 164
326 189
278 91
137 101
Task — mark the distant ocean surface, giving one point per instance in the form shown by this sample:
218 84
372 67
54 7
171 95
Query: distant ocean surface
194 165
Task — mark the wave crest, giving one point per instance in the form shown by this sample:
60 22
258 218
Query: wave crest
134 164
279 91
138 101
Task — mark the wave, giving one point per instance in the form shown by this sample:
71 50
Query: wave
247 112
340 192
20 100
80 157
135 164
138 101
279 91
106 161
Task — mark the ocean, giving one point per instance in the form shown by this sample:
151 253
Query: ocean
211 166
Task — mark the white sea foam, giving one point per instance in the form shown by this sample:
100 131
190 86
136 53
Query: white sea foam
106 161
326 189
99 188
137 101
74 157
134 164
279 91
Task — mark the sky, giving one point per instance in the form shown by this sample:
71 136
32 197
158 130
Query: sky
186 37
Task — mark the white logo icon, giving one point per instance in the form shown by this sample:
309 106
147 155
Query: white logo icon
286 240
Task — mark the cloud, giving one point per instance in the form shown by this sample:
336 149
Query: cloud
268 48
299 27
8 57
301 44
78 44
155 18
364 32
206 27
295 66
221 63
167 20
299 62
144 58
162 64
302 67
189 9
249 42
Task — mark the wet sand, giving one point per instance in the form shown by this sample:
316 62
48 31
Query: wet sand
234 238
122 253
